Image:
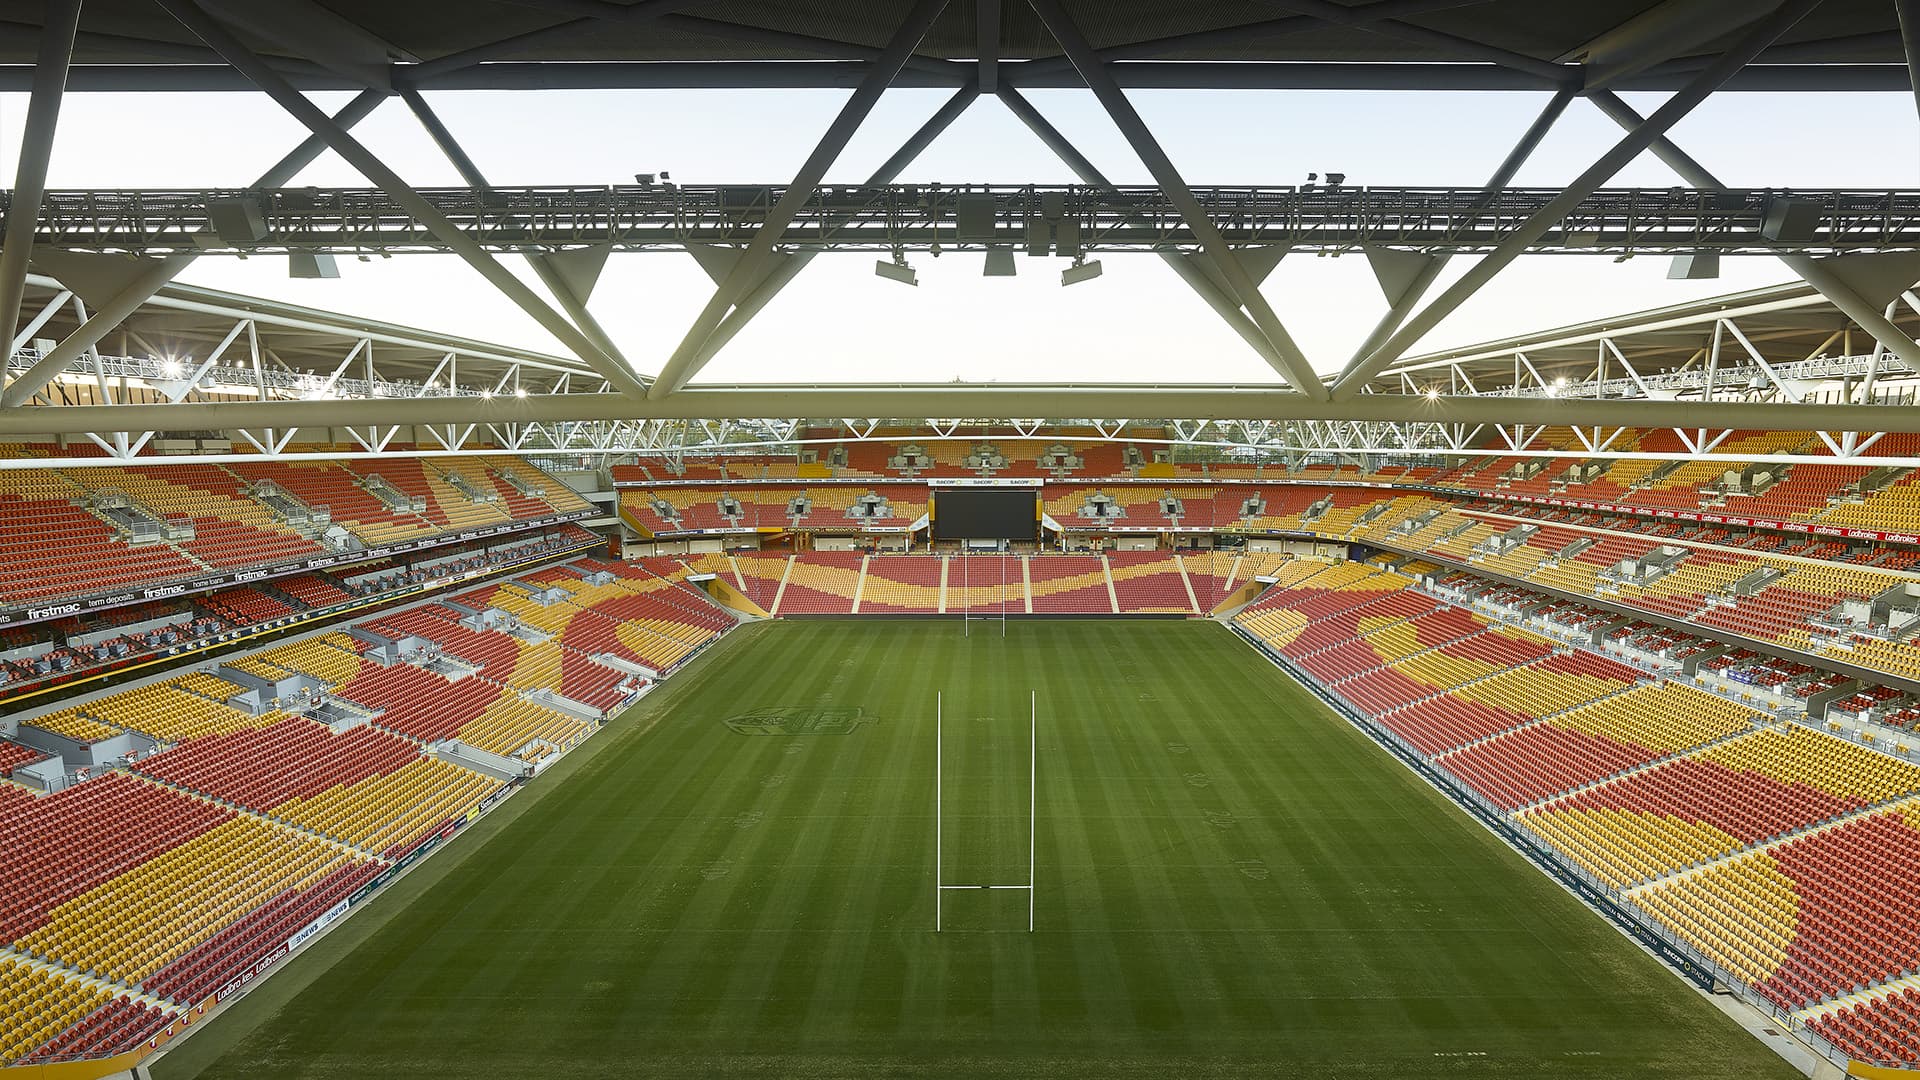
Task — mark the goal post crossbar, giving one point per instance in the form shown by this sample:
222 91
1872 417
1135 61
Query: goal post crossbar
967 617
1033 804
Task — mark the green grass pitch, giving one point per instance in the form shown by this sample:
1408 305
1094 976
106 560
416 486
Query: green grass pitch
736 880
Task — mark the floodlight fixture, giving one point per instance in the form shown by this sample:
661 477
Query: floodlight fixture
171 368
999 263
1080 271
896 269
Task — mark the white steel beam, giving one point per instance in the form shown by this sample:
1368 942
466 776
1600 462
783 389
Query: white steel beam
369 165
1424 279
1809 269
1202 286
1109 403
39 320
192 380
142 288
1294 366
685 363
570 301
1635 142
785 270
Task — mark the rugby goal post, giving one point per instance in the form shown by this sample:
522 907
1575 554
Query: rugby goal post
940 885
967 617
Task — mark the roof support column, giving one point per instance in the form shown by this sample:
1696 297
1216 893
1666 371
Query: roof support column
1293 365
684 363
36 147
1637 140
987 43
369 165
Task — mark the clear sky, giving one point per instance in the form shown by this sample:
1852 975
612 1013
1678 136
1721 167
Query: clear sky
839 322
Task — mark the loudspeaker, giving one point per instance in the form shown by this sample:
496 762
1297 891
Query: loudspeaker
305 264
1696 267
1790 221
973 217
1038 238
1066 239
238 220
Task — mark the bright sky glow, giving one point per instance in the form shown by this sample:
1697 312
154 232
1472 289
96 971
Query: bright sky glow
838 322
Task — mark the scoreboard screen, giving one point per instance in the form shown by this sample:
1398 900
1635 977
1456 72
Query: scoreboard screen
986 513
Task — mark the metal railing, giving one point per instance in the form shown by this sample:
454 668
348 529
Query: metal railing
881 218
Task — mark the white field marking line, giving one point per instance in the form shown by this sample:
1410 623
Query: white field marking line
1033 804
938 756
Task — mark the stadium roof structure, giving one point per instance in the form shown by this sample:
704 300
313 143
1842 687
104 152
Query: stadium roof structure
199 359
549 44
116 252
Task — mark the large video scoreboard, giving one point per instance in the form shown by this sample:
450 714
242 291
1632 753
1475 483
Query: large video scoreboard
981 513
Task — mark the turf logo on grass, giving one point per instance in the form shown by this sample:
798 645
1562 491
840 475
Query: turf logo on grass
799 721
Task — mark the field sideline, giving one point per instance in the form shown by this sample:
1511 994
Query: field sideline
736 880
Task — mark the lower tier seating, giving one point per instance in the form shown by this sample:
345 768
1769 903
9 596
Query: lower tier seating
208 966
386 814
1600 739
1884 1027
137 922
61 845
1809 918
37 1004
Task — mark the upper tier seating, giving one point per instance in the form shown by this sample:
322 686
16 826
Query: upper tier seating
341 492
59 846
230 528
50 547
